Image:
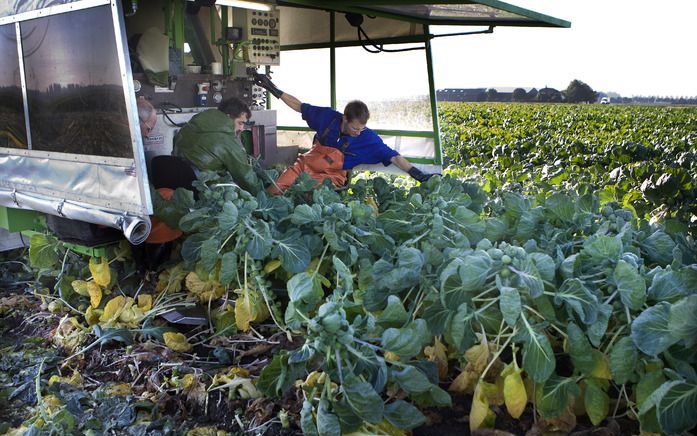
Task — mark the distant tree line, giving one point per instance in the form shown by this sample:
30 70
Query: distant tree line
576 92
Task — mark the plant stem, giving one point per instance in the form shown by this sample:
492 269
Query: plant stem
321 258
496 356
542 317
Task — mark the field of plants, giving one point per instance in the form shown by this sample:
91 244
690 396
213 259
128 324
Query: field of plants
545 284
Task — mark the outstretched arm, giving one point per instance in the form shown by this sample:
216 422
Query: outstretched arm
410 169
291 101
401 163
266 83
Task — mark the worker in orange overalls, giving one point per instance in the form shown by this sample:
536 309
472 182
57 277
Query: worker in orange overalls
341 142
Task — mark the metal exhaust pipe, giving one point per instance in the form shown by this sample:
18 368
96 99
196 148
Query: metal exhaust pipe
135 228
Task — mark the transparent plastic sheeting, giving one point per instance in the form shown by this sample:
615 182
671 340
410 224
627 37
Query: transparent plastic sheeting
311 26
407 146
13 7
451 11
136 229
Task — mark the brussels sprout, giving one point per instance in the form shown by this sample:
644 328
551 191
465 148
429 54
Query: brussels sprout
345 338
484 244
519 252
506 259
332 323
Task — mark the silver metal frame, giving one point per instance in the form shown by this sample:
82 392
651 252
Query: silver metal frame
23 81
131 106
128 164
69 157
53 10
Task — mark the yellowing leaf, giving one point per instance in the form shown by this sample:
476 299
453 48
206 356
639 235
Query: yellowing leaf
69 334
249 307
100 271
370 201
81 287
182 382
479 410
312 379
145 302
118 390
203 290
245 312
493 392
131 315
437 354
121 311
237 381
272 266
177 341
601 366
464 382
95 295
92 315
51 403
170 280
75 379
113 309
478 356
392 357
88 289
514 394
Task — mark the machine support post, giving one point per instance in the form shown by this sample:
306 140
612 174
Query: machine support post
332 59
432 94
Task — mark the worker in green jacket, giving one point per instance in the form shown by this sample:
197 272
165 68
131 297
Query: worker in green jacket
210 141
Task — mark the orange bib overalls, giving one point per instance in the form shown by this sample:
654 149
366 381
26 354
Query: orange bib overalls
321 163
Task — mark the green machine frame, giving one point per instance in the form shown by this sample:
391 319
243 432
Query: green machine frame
333 45
528 19
513 16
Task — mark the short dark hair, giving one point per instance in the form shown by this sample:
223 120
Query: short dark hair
357 110
234 107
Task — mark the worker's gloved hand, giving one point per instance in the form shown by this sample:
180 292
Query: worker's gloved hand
419 175
266 83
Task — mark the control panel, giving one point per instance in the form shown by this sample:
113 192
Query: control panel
263 33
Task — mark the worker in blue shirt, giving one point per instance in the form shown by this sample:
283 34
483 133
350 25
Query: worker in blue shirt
341 142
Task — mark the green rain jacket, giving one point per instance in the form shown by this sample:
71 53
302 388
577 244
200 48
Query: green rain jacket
209 142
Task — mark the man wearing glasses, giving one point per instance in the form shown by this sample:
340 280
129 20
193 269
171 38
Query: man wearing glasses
341 142
210 142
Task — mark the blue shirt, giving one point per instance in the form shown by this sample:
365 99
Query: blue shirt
366 148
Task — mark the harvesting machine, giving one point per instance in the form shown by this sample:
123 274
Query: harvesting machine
72 70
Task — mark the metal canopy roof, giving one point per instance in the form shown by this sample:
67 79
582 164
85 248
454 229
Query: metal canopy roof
444 12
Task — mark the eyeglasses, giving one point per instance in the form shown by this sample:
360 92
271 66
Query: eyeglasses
356 129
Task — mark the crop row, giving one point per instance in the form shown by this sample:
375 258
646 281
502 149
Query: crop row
642 157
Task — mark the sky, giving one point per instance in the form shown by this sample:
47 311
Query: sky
631 47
